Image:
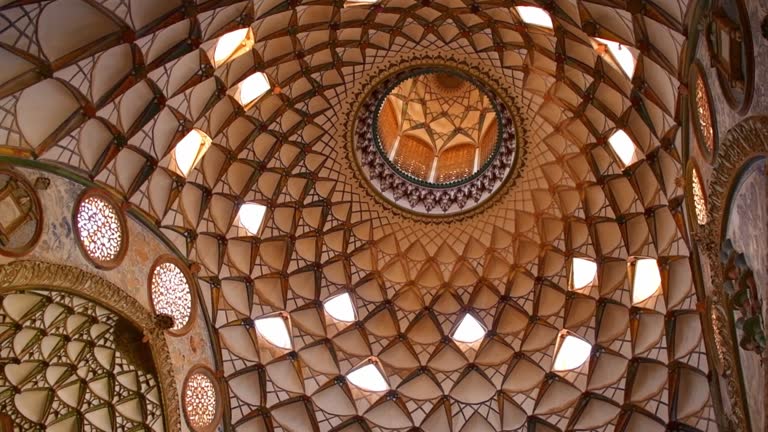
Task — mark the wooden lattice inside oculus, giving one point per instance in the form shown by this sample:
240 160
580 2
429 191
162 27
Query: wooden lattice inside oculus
438 127
100 227
201 400
171 293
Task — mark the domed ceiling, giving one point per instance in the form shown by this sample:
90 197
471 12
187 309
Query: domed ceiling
557 260
440 116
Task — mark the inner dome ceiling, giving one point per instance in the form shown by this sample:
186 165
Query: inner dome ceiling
105 90
437 127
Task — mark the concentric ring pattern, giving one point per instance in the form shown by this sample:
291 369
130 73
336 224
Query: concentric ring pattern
106 89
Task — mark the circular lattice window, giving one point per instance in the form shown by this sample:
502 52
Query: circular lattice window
171 293
201 400
100 228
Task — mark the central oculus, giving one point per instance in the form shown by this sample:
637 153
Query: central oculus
434 140
437 128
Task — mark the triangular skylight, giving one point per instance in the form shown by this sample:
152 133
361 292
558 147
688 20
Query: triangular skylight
230 45
252 88
572 352
623 146
469 330
251 216
621 54
190 150
368 378
340 308
646 279
275 331
535 16
583 272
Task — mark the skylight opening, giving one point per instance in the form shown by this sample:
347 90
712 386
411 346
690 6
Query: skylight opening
646 279
253 88
275 331
352 3
341 308
368 378
621 54
251 216
583 272
623 146
190 150
535 16
469 330
232 45
572 352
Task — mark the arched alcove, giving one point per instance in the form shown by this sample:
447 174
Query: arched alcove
77 350
735 243
744 256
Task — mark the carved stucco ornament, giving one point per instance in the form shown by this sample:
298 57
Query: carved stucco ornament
20 275
743 142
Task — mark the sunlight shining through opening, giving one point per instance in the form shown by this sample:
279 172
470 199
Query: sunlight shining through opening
229 44
572 353
273 329
368 378
623 146
469 330
250 216
646 281
340 308
621 54
253 87
190 150
350 3
535 16
583 272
